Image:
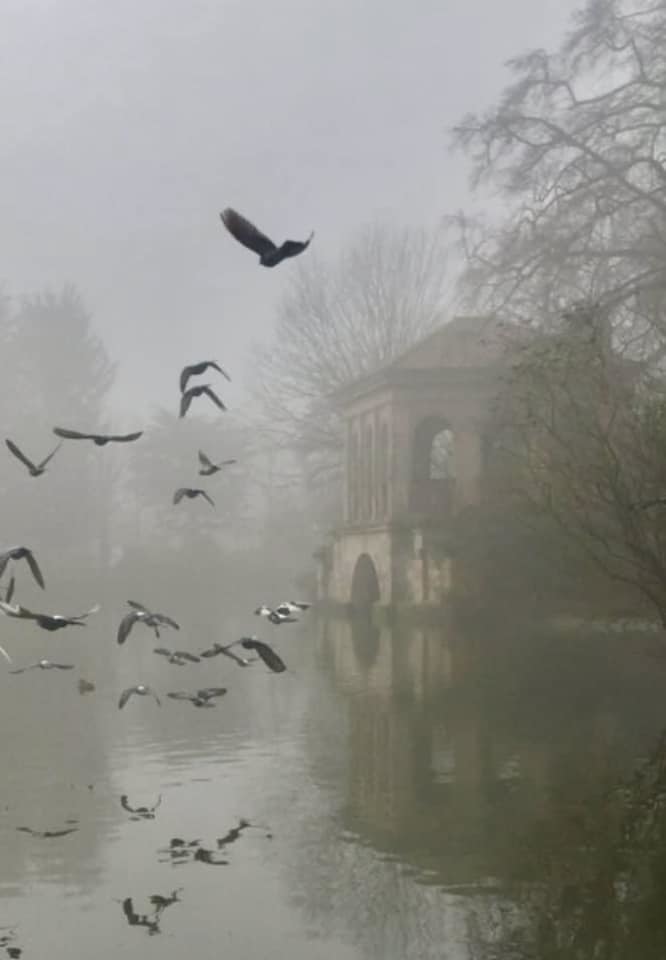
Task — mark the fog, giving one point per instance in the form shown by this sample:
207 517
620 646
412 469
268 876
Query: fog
126 128
351 646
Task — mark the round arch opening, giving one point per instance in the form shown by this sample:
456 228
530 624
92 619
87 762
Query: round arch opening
365 584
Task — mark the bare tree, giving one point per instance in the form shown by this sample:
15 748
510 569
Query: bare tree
585 427
338 322
577 145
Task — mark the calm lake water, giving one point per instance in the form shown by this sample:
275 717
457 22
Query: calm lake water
413 794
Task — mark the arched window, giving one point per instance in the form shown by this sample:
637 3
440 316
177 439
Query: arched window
441 465
433 467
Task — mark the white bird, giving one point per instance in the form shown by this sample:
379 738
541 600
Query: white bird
274 616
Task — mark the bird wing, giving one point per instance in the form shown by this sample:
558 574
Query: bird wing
179 494
71 434
185 655
46 459
125 805
63 666
167 621
214 397
291 248
206 497
212 651
154 695
185 375
211 692
83 616
163 652
185 402
10 590
220 369
5 655
23 669
204 461
16 611
125 437
20 455
179 695
126 625
267 654
246 233
34 568
124 697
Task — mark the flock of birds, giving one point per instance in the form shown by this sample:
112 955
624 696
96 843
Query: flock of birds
270 255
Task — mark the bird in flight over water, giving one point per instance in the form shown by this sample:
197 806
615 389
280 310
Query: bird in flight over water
194 369
142 690
44 665
252 238
204 389
208 467
190 493
140 614
34 469
47 621
100 439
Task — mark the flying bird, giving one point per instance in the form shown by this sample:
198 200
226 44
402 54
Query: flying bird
142 690
145 813
47 833
203 389
177 656
139 614
252 238
22 553
44 665
267 654
226 651
47 621
194 369
274 616
34 469
208 467
292 606
100 439
190 492
202 698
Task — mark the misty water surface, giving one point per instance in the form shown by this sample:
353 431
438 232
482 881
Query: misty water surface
415 794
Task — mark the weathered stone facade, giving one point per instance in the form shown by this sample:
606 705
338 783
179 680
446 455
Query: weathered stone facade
414 450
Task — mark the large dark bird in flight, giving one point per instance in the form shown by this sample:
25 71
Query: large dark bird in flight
34 469
208 468
47 621
194 369
190 493
202 698
204 389
100 439
22 553
252 238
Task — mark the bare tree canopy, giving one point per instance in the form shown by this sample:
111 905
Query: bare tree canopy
586 429
340 321
577 146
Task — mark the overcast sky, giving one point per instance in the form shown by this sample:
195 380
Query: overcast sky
126 126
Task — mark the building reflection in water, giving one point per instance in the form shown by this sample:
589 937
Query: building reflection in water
467 760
